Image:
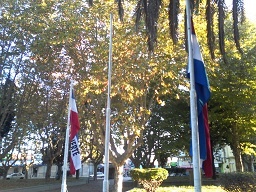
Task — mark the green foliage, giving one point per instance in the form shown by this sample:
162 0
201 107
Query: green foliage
7 124
151 178
6 107
238 182
177 170
232 106
170 124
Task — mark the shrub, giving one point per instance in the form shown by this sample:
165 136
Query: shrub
150 178
176 171
238 182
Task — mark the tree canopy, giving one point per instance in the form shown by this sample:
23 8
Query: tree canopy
150 10
44 44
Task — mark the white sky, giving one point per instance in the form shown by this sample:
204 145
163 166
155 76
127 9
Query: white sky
250 8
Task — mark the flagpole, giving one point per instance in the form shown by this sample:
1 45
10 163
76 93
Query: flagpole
65 161
193 107
108 110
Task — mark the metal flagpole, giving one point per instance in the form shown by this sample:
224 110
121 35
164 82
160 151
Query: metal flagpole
193 107
108 110
65 161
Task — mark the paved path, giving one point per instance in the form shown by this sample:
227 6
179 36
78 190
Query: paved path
80 185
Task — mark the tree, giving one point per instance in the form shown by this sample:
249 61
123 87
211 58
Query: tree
44 44
167 132
233 77
232 108
150 11
43 73
16 74
89 151
50 123
10 157
137 78
7 107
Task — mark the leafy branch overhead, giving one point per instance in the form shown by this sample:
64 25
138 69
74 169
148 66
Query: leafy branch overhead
150 10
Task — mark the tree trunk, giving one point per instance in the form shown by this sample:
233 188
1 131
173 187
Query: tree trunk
238 158
136 163
77 174
118 181
251 165
48 170
59 171
94 171
26 171
248 161
4 173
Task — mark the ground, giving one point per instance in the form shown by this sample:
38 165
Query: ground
73 185
93 186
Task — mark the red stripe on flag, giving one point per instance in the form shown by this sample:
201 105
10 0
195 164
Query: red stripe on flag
75 126
207 164
72 167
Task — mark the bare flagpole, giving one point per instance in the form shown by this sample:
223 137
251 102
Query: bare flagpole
193 107
65 161
108 110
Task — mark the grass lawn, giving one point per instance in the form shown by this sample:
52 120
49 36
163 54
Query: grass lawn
21 183
182 189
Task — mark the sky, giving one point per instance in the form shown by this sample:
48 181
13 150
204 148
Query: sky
250 8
